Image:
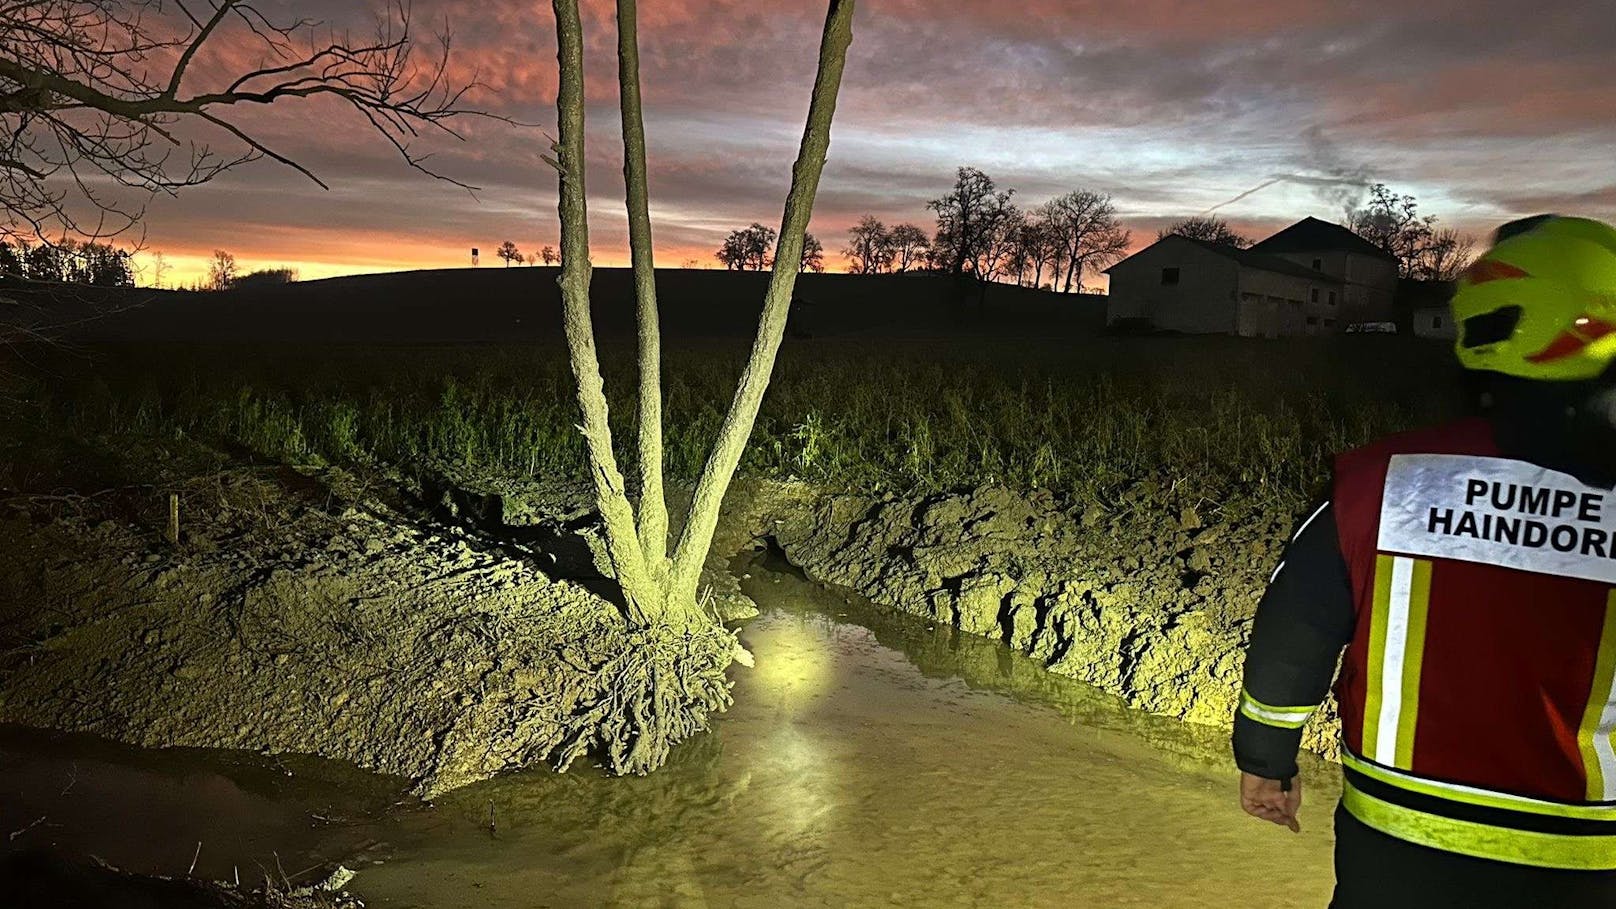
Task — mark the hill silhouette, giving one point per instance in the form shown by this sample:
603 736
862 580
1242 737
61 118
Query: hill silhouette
524 304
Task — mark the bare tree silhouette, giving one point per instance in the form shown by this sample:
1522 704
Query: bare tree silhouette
1446 256
968 218
869 247
748 249
93 95
813 253
1211 229
1086 227
221 270
910 246
1394 223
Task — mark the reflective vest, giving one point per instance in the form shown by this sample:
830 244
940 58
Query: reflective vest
1478 695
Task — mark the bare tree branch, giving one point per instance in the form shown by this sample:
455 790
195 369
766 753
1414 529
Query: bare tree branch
92 95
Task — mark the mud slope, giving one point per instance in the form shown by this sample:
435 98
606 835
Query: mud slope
1149 597
298 614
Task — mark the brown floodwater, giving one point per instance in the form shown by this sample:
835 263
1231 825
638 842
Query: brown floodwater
869 760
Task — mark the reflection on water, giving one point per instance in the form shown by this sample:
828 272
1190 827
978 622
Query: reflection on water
872 761
903 765
157 812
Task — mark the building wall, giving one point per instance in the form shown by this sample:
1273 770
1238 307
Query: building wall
1204 301
1277 305
1372 289
1435 322
1369 283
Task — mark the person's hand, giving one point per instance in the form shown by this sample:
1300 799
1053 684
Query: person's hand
1266 799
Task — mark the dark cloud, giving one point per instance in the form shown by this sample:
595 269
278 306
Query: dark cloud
1172 107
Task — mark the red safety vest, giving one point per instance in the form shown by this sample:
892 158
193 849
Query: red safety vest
1478 696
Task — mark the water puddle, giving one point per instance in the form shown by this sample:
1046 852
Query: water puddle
868 760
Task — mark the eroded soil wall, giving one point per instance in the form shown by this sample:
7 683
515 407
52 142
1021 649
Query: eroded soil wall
1149 596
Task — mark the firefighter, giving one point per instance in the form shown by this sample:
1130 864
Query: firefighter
1469 571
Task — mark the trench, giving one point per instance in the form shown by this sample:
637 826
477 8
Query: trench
870 759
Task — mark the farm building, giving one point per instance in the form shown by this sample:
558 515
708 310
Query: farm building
1435 322
1313 277
1426 303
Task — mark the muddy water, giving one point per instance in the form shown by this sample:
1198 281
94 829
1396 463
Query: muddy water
867 761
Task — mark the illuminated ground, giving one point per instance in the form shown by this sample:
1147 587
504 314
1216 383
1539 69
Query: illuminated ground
903 765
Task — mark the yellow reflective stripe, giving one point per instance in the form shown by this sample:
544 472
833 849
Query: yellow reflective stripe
1376 655
1419 602
1502 844
1281 717
1599 717
1471 795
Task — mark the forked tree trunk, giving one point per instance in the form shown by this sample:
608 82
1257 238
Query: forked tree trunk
657 590
640 595
653 501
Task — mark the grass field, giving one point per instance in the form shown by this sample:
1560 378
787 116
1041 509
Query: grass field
1078 416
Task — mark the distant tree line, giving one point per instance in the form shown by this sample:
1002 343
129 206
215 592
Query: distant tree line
512 254
875 249
1208 229
980 234
223 274
67 262
752 249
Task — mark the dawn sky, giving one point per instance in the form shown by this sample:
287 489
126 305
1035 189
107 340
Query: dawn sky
1484 110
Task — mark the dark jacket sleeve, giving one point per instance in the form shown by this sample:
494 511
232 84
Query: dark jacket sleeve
1303 621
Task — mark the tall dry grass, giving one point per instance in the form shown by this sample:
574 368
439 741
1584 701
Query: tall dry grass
865 415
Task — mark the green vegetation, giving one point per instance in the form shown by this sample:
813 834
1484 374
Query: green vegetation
865 415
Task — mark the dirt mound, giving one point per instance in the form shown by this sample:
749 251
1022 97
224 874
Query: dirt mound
1149 596
303 613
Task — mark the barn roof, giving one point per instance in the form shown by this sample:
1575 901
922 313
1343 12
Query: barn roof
1249 259
1311 235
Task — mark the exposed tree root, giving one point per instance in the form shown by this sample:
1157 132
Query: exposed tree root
662 688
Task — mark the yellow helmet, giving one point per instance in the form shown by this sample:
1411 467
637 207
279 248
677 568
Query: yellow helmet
1541 304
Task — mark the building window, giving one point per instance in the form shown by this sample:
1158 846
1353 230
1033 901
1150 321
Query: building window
1315 295
1329 323
1312 320
1436 321
1169 276
1318 265
1332 298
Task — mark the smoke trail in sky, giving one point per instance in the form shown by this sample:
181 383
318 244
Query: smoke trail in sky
1335 181
1338 183
1255 189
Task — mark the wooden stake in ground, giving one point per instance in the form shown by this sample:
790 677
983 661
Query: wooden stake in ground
658 590
174 519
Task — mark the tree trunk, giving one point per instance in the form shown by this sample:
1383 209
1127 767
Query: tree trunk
653 502
697 537
658 590
641 596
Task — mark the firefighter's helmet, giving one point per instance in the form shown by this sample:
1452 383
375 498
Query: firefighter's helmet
1541 304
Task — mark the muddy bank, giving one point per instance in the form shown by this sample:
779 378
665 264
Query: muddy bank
1149 596
309 611
445 628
